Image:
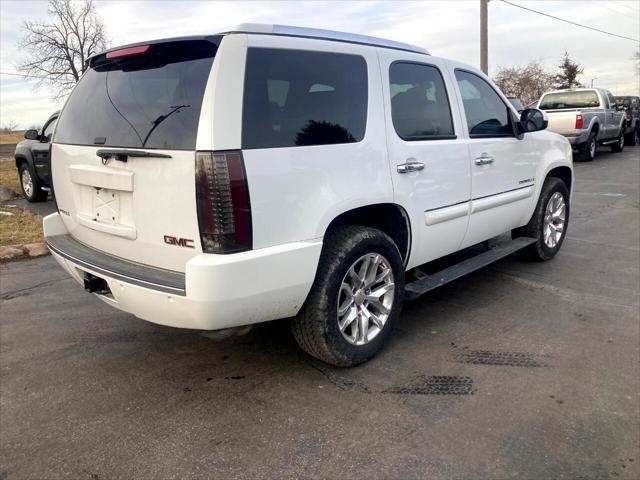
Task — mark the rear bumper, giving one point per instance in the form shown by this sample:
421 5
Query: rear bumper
215 292
576 137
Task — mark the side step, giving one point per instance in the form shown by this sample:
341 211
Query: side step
500 249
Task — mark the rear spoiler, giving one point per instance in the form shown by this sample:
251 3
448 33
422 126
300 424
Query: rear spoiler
102 58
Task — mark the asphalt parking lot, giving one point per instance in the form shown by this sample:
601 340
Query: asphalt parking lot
521 370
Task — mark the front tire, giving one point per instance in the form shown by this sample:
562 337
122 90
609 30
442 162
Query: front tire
549 222
356 297
30 185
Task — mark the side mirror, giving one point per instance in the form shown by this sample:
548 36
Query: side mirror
533 120
31 135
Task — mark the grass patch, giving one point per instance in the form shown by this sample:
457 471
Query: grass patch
20 228
9 175
15 137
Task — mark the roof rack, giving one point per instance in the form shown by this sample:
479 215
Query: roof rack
291 31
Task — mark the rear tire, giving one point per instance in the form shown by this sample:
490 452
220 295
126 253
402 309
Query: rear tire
619 145
325 327
587 151
547 219
630 139
30 186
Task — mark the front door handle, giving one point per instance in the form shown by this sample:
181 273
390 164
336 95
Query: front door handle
484 159
410 167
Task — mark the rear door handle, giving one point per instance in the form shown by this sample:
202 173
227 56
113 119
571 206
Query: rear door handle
484 159
410 167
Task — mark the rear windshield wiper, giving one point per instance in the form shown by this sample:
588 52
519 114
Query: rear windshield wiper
123 155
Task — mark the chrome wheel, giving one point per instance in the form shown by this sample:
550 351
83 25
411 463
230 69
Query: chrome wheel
365 298
27 182
592 148
621 141
554 220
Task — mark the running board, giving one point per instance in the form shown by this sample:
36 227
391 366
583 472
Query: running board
497 250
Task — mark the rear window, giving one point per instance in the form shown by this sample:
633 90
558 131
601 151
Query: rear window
301 98
553 101
151 100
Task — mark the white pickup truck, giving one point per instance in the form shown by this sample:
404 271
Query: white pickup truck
587 117
219 181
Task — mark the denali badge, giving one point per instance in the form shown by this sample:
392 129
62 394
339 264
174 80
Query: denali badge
180 242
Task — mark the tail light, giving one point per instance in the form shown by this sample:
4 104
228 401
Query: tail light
222 197
628 117
579 122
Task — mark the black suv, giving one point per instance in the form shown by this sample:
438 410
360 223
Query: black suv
631 119
33 161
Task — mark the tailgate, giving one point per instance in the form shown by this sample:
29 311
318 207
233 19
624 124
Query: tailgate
563 122
143 210
139 108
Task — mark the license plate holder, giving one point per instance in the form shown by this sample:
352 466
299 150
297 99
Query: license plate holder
106 206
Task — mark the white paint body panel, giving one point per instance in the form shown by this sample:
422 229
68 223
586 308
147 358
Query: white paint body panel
295 194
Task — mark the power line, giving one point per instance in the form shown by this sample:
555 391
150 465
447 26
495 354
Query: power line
22 75
625 6
569 21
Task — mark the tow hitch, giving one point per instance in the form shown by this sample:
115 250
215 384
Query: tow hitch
93 284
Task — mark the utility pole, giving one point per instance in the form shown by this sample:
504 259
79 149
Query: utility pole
595 78
484 64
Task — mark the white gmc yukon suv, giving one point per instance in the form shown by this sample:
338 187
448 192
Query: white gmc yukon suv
273 172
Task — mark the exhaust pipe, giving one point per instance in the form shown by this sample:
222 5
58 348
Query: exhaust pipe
227 332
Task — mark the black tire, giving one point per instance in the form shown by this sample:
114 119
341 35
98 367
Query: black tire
630 139
36 194
620 143
535 228
316 328
587 151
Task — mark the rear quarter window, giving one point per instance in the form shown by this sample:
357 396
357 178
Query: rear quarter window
302 98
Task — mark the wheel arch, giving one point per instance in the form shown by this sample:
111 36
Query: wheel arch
391 218
21 158
564 173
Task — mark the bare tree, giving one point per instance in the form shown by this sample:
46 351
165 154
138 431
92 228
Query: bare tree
528 83
569 72
9 127
57 51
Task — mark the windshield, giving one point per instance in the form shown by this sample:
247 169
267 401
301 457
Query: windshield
151 100
583 99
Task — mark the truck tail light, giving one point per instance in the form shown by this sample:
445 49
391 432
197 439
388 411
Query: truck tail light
579 122
628 118
222 198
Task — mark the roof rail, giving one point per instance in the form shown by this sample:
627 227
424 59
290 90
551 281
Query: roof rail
291 31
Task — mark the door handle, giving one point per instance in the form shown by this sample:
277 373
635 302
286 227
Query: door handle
484 159
410 167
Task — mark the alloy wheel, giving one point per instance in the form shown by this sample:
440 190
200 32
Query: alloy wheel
27 182
365 298
554 220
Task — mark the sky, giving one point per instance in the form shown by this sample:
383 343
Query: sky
447 29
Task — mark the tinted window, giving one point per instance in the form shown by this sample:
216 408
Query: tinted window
419 104
151 100
296 98
48 130
487 115
582 99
